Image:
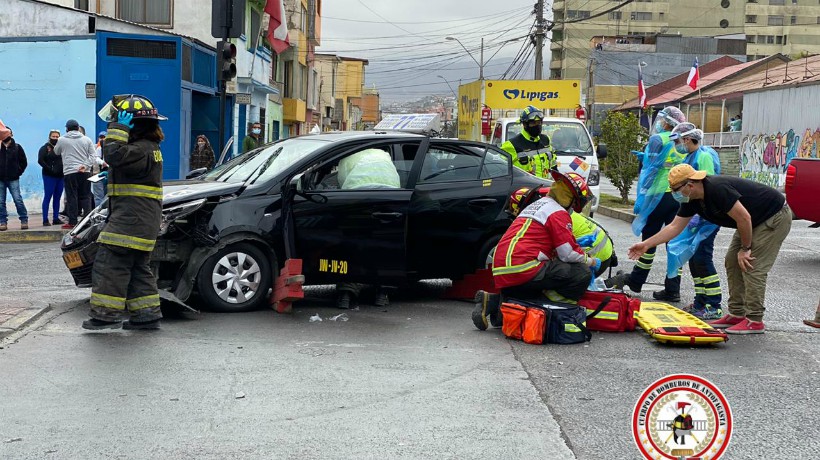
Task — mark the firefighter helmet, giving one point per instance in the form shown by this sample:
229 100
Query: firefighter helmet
139 106
531 113
522 198
577 185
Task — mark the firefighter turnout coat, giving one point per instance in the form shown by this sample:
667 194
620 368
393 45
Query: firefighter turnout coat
134 191
532 154
543 231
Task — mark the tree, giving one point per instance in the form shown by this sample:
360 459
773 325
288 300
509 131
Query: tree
622 133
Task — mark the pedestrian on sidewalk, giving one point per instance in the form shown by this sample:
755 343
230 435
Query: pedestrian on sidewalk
12 164
697 244
655 206
52 165
123 285
762 219
203 154
77 152
253 139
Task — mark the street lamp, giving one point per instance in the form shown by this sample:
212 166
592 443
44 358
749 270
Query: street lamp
480 64
448 85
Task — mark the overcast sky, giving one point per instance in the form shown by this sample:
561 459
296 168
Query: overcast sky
405 40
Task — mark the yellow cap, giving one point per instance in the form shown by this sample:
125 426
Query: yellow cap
682 173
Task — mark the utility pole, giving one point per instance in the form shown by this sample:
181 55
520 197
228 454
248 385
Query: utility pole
481 61
539 40
590 93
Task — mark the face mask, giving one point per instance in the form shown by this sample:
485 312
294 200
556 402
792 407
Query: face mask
256 130
681 148
200 144
659 127
52 141
533 131
680 197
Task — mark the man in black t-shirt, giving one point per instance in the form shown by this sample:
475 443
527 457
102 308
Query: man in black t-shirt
762 219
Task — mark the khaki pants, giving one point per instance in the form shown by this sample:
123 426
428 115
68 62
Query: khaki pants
747 291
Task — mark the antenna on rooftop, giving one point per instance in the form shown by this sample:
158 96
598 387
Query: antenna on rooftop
806 72
786 78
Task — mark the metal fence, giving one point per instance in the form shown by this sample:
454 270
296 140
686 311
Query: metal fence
726 139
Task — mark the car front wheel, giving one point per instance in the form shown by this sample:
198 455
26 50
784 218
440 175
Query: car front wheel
237 278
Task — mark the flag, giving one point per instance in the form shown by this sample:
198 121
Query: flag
278 27
694 76
641 89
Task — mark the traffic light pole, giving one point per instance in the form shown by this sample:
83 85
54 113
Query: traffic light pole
223 85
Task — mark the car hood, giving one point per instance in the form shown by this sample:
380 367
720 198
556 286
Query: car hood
186 190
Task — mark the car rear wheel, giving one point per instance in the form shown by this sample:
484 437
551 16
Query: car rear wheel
237 278
485 256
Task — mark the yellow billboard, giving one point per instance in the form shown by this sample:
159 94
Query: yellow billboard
544 94
469 111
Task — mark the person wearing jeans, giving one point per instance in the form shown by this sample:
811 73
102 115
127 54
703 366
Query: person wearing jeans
77 152
52 165
12 164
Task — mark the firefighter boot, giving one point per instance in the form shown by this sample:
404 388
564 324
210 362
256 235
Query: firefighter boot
95 324
486 304
142 326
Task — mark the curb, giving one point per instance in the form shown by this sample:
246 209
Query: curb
31 236
23 319
616 214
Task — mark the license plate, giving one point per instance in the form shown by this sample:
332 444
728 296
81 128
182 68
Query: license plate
72 259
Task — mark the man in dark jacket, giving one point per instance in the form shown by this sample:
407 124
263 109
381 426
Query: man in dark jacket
52 165
12 164
123 284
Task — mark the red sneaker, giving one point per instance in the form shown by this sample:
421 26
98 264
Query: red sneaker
747 327
726 321
67 226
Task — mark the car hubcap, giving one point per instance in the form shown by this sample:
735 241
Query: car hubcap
236 277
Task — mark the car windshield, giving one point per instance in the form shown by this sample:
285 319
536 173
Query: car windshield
265 163
565 137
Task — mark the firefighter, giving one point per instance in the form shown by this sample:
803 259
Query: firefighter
530 149
123 285
655 206
538 255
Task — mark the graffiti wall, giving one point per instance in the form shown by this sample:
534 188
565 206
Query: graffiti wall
764 157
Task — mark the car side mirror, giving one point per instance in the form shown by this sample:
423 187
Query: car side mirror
601 151
196 173
297 183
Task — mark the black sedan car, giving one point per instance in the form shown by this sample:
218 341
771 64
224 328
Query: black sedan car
225 234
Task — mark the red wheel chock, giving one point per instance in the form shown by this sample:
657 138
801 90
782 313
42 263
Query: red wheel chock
287 288
481 280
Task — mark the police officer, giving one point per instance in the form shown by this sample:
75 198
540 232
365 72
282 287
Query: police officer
530 149
123 284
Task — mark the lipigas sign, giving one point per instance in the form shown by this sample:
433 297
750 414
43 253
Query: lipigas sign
544 94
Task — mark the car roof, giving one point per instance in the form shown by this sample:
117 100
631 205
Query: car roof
335 136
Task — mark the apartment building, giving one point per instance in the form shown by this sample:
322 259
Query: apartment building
299 76
344 103
771 26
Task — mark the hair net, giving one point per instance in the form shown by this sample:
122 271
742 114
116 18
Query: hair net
672 115
686 130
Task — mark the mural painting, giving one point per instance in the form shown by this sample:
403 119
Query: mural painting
764 157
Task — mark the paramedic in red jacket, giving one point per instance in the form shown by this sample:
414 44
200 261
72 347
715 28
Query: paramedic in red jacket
538 255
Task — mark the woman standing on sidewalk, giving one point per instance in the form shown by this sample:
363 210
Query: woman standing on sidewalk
52 165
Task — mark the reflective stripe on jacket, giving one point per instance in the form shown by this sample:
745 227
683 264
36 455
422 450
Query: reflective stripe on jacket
536 163
583 226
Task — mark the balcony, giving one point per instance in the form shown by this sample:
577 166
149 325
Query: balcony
555 64
556 46
558 6
293 110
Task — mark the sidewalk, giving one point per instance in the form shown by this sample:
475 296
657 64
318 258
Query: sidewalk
16 314
36 233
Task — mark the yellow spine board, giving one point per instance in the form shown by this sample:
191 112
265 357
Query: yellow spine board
668 324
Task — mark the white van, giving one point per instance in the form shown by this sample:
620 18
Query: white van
573 147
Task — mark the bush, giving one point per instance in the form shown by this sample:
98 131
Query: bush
622 133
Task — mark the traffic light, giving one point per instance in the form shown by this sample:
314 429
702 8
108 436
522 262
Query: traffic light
225 61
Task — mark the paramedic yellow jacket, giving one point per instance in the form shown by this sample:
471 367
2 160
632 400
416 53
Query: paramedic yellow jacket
601 246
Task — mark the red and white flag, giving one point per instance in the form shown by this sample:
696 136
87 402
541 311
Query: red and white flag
694 76
278 27
641 89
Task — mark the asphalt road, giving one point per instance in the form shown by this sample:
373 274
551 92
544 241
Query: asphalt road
413 380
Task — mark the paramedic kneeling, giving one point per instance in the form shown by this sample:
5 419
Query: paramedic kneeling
762 219
538 255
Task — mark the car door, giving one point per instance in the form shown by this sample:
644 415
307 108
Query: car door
457 206
351 224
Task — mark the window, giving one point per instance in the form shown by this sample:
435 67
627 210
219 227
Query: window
81 5
577 14
641 16
153 12
274 68
775 20
304 23
615 15
660 16
367 169
288 79
303 83
770 39
750 39
496 164
818 19
445 164
785 39
794 20
253 32
751 19
778 40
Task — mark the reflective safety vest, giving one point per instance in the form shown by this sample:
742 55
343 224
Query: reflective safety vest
533 155
134 191
583 226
